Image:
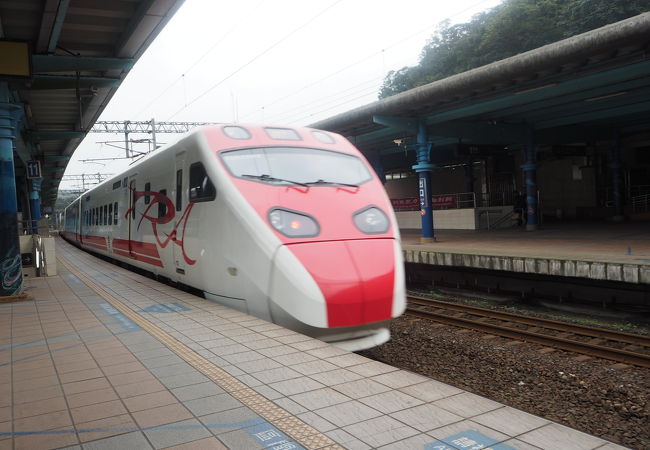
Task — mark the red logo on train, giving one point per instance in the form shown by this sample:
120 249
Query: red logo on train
155 221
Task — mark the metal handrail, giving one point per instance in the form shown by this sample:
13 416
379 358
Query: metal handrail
499 221
641 203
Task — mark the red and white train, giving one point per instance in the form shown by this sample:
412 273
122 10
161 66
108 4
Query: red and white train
291 225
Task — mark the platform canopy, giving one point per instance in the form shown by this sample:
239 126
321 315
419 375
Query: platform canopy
588 87
79 51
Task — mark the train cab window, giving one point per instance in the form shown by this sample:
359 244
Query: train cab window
110 214
179 190
296 166
236 132
115 214
147 197
201 188
286 134
162 206
323 137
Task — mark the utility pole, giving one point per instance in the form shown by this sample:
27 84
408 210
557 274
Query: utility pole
143 127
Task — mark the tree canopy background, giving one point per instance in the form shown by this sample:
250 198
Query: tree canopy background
513 27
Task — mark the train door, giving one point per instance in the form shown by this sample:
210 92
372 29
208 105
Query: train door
83 211
132 219
180 202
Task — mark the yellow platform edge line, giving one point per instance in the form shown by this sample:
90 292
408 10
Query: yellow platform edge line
302 433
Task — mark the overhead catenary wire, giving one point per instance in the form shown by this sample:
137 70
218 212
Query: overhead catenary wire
256 57
304 110
381 52
235 26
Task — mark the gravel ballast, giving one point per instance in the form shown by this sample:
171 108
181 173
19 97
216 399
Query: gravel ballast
592 395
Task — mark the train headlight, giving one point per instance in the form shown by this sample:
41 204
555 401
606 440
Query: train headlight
371 220
293 224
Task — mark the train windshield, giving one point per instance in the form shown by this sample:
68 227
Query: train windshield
296 165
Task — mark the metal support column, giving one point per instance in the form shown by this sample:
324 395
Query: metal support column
35 203
469 176
423 169
126 137
11 270
616 165
530 178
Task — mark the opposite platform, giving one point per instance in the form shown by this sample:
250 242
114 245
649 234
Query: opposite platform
103 358
599 251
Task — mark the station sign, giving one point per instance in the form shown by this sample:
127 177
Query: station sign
424 196
34 169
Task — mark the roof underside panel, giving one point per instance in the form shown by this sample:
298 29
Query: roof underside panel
60 98
592 85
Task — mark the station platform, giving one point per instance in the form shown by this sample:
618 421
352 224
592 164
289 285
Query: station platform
99 357
599 251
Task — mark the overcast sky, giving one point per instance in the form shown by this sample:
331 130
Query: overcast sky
285 62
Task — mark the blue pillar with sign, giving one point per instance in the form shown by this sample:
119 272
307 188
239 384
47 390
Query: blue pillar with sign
530 177
11 270
35 203
423 169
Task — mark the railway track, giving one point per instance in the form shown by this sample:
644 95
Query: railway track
608 344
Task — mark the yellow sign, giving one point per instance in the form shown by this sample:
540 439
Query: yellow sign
14 59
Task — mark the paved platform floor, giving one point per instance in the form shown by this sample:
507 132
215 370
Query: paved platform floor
102 358
609 242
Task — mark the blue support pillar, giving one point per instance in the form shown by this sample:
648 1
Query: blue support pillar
35 204
616 165
530 178
423 169
11 271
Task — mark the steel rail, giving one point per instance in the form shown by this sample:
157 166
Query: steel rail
619 336
537 338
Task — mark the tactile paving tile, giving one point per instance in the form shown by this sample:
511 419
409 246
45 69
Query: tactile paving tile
302 433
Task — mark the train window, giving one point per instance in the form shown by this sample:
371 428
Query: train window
147 197
285 134
162 206
201 188
179 190
101 216
115 215
323 137
296 165
110 214
235 132
117 185
105 214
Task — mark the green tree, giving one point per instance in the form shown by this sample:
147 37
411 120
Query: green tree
513 27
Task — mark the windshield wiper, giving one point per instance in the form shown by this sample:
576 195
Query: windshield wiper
267 177
336 183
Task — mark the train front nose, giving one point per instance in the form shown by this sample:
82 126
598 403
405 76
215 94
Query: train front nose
343 283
